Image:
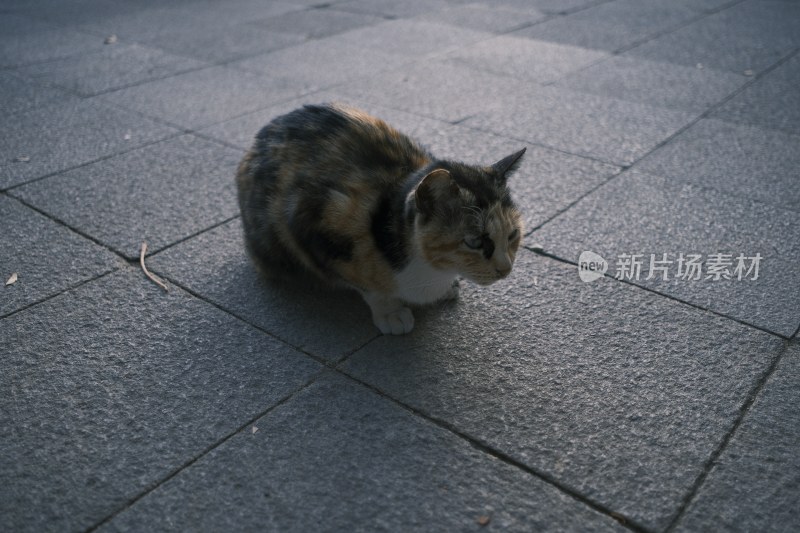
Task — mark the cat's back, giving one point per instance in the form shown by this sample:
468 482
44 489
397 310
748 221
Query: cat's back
333 138
315 179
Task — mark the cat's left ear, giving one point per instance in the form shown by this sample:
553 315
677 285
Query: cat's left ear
506 166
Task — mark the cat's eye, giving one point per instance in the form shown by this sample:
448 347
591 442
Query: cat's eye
473 242
513 236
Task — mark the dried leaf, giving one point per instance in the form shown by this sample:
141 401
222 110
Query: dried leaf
22 159
484 520
254 429
111 39
12 280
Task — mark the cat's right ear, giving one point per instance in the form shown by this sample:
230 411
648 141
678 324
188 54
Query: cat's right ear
435 190
506 166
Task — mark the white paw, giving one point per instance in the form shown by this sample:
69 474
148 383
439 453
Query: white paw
453 292
397 322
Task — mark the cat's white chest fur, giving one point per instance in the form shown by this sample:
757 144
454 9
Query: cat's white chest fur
420 283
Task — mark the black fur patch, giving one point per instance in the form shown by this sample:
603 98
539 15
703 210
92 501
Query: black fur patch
389 232
488 247
323 245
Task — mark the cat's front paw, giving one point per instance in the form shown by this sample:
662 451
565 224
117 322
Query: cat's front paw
396 322
454 290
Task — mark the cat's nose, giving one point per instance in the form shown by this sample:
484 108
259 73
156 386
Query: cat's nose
502 265
503 271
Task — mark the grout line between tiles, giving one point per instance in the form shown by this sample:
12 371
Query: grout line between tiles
99 159
688 22
195 294
121 258
719 104
709 465
59 293
185 238
68 226
677 133
549 255
576 200
155 485
501 456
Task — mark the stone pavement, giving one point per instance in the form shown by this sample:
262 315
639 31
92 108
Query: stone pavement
541 403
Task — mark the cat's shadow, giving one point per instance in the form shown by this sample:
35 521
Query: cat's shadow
328 323
325 322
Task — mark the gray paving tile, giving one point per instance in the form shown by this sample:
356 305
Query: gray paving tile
20 94
411 37
746 161
323 63
612 391
222 44
612 25
483 17
707 6
754 485
750 36
241 131
399 474
47 257
62 136
76 12
544 6
202 97
226 32
110 68
436 89
609 129
159 194
655 83
112 387
771 102
316 23
24 40
526 59
328 324
644 214
159 20
391 8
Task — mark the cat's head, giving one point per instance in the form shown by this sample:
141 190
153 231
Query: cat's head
467 221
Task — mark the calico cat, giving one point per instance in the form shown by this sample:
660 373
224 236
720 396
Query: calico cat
332 191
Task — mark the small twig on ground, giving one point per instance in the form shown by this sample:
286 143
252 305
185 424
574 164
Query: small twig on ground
147 272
